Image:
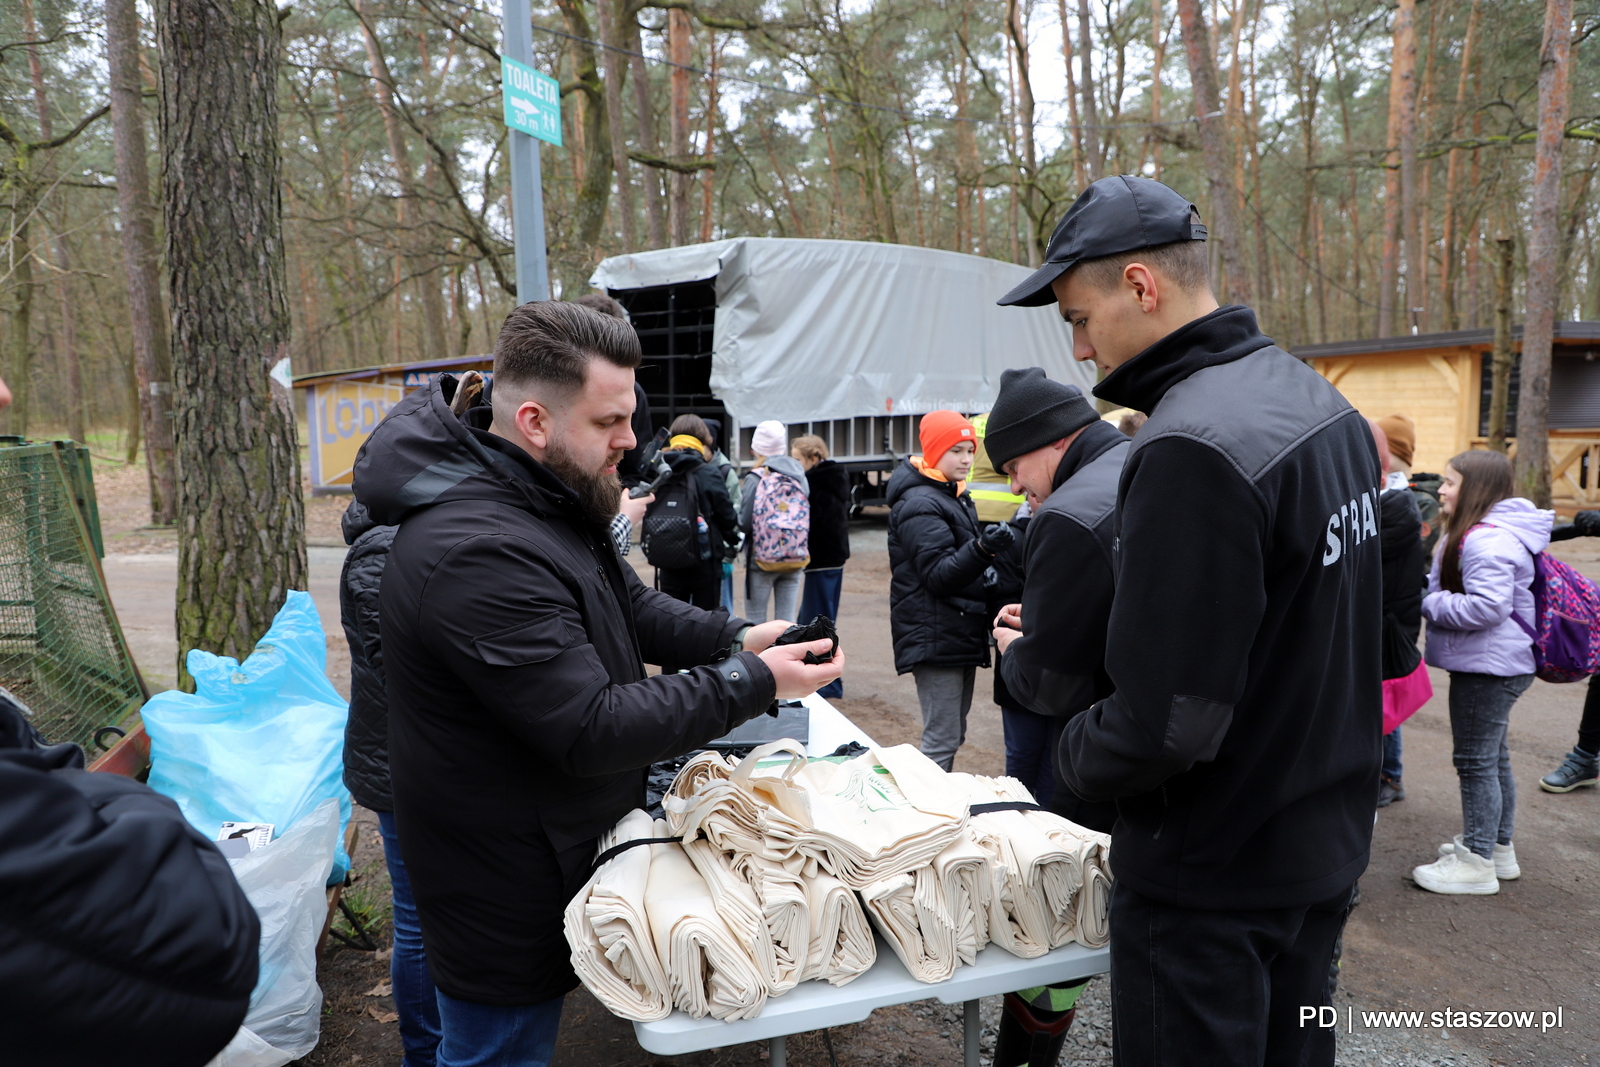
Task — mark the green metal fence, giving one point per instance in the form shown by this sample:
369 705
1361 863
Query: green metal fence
62 651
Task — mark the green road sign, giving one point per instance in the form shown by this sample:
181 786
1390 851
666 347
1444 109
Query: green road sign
532 101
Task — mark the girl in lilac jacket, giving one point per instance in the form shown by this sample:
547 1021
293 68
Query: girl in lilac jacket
1478 589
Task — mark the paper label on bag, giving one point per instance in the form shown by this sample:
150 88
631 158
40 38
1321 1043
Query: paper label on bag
237 839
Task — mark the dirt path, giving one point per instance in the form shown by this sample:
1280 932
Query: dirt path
1533 947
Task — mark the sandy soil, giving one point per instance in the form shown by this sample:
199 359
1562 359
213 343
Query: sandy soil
1532 947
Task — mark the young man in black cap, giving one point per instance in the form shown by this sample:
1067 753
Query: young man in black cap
1241 742
1050 442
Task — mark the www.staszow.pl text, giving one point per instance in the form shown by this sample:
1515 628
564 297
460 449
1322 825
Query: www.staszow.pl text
1446 1019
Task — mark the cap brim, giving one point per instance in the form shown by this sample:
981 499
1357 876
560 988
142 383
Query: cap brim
1036 291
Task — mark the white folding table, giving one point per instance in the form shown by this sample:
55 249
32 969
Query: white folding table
815 1005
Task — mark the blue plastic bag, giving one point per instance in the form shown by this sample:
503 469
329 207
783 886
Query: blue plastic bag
261 741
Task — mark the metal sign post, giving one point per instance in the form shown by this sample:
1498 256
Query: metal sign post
523 99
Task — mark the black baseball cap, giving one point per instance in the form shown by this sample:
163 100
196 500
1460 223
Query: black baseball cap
1122 213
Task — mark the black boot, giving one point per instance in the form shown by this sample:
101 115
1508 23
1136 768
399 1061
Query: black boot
1029 1036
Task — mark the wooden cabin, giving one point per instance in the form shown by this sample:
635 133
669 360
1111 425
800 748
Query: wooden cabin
1441 380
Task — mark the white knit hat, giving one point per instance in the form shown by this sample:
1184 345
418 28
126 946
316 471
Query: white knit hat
771 439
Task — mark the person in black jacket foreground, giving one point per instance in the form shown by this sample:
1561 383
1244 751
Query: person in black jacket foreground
366 774
1241 742
1051 444
521 719
830 536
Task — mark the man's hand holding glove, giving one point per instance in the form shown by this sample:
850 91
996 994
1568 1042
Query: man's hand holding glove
996 538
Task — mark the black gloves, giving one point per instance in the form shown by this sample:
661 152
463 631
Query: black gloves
1588 523
996 538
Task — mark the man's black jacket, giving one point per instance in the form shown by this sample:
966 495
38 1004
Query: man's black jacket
1242 740
124 937
520 717
938 608
366 732
829 541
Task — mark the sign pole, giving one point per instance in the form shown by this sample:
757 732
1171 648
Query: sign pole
527 190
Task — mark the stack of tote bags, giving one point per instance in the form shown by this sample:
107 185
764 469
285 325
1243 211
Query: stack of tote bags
761 893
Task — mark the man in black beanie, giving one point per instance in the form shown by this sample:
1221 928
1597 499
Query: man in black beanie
1241 739
1048 439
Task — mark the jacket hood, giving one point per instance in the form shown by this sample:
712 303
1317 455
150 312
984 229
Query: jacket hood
422 454
355 522
1227 334
906 477
682 460
1528 524
793 468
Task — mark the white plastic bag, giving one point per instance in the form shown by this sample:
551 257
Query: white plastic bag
284 881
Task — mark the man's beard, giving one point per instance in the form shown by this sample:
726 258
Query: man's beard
599 494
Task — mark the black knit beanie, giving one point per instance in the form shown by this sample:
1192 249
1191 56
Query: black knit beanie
1031 412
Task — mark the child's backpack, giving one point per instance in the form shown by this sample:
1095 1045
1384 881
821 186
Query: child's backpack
673 537
780 523
1566 630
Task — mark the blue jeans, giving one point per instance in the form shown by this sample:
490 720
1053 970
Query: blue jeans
1480 712
484 1035
414 999
1391 754
821 597
1031 741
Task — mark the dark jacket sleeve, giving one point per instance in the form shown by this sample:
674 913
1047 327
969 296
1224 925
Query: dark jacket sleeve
1066 599
124 937
1197 593
366 732
671 631
717 504
830 515
523 650
945 569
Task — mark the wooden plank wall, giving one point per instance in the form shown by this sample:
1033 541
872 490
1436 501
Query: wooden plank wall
1437 388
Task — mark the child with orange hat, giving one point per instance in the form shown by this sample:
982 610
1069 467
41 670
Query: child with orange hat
939 591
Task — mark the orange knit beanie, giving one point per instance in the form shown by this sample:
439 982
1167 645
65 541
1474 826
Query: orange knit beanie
941 429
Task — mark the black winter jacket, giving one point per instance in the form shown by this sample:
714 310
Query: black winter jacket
830 515
716 506
366 731
1400 534
124 937
521 720
1242 741
938 607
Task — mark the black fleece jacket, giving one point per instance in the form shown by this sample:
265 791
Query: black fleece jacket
938 607
521 720
366 731
830 515
1242 741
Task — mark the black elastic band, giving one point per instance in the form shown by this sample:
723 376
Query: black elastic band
616 850
1004 805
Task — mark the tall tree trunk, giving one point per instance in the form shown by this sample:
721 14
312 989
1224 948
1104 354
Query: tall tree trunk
708 184
19 369
1500 362
407 208
1080 169
1158 59
147 311
654 215
1037 237
1214 147
1094 155
1447 272
1544 256
678 53
594 190
611 14
241 512
69 331
1400 80
1405 61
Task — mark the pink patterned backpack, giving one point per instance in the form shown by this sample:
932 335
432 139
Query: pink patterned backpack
1566 630
780 523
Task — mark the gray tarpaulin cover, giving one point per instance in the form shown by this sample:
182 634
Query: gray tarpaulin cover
811 329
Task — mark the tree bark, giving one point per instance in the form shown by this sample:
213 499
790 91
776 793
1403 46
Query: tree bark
1544 256
1037 238
1214 148
1158 59
1405 62
409 216
611 14
1094 156
147 311
654 216
1447 271
708 183
594 189
679 55
241 513
1500 364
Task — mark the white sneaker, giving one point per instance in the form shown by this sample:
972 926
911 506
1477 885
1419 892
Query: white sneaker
1461 872
1505 859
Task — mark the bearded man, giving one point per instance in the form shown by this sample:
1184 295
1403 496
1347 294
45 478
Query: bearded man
514 639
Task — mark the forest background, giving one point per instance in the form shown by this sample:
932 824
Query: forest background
1373 156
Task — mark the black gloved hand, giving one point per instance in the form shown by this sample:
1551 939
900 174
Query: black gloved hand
1588 523
996 537
991 579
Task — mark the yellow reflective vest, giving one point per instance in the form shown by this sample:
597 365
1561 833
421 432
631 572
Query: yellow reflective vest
991 490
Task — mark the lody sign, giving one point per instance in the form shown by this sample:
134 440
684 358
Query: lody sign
532 101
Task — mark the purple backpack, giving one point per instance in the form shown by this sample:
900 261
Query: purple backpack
1566 632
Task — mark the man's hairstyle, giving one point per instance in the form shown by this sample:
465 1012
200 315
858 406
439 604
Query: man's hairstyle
694 426
1184 262
810 446
604 304
549 343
